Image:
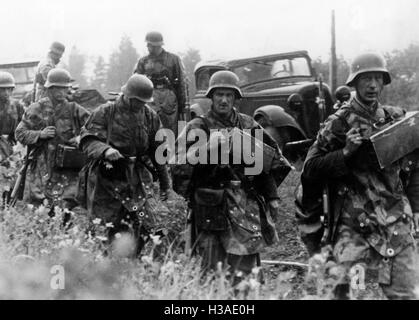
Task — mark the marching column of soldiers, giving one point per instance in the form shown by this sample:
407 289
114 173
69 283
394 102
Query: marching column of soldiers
231 215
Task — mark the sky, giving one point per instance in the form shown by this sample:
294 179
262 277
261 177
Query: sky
217 28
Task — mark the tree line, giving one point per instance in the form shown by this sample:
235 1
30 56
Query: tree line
110 74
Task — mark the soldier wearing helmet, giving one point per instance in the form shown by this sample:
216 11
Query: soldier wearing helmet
228 229
11 112
167 73
49 127
116 138
55 53
372 208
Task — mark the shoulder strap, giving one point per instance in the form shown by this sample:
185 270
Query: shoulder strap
110 120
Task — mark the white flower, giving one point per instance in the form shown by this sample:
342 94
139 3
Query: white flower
109 225
118 235
101 238
97 221
156 239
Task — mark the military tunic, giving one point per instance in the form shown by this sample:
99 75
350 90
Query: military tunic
373 215
44 179
10 115
132 132
167 73
41 76
249 227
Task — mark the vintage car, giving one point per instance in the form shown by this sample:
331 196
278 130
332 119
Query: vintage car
24 74
281 91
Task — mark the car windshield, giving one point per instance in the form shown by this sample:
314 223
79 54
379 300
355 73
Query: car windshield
262 70
22 74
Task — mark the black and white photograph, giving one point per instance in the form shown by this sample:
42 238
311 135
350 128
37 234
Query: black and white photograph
188 152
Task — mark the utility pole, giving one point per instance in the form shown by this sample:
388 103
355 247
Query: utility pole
333 63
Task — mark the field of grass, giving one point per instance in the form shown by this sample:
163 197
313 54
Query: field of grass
39 259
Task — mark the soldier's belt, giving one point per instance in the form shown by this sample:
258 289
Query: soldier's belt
395 141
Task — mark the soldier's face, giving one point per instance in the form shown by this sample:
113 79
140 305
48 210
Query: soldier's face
58 94
56 57
5 94
154 50
223 101
369 86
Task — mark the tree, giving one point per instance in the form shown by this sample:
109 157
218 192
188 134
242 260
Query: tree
100 75
190 59
76 66
121 64
403 66
323 68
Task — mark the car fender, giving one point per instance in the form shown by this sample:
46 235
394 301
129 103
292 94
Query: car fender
277 117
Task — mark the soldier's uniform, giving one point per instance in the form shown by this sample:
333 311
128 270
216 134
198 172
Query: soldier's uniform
373 215
44 67
10 115
119 194
44 179
231 218
167 73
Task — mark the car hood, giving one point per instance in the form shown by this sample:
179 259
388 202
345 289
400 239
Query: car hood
286 89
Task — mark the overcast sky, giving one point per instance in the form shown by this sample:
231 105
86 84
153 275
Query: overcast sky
218 28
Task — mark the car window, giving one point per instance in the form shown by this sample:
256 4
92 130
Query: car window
202 78
22 75
261 70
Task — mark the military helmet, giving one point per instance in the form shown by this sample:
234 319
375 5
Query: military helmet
57 48
138 87
6 80
224 79
368 62
154 38
58 78
343 93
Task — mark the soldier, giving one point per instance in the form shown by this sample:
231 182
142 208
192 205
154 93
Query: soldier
372 226
231 212
167 73
11 112
116 138
55 53
49 127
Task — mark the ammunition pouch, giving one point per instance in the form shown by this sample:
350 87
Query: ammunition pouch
210 209
69 157
161 82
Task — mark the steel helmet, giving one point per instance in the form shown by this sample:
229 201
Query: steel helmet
343 93
58 78
57 48
368 62
154 38
6 80
224 79
138 87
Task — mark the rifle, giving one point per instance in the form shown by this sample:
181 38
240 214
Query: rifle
19 185
327 213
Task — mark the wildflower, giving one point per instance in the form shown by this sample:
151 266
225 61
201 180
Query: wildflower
118 235
97 221
147 259
101 238
109 225
156 239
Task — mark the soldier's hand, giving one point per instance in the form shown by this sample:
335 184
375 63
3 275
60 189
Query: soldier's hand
74 141
47 133
112 154
353 142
